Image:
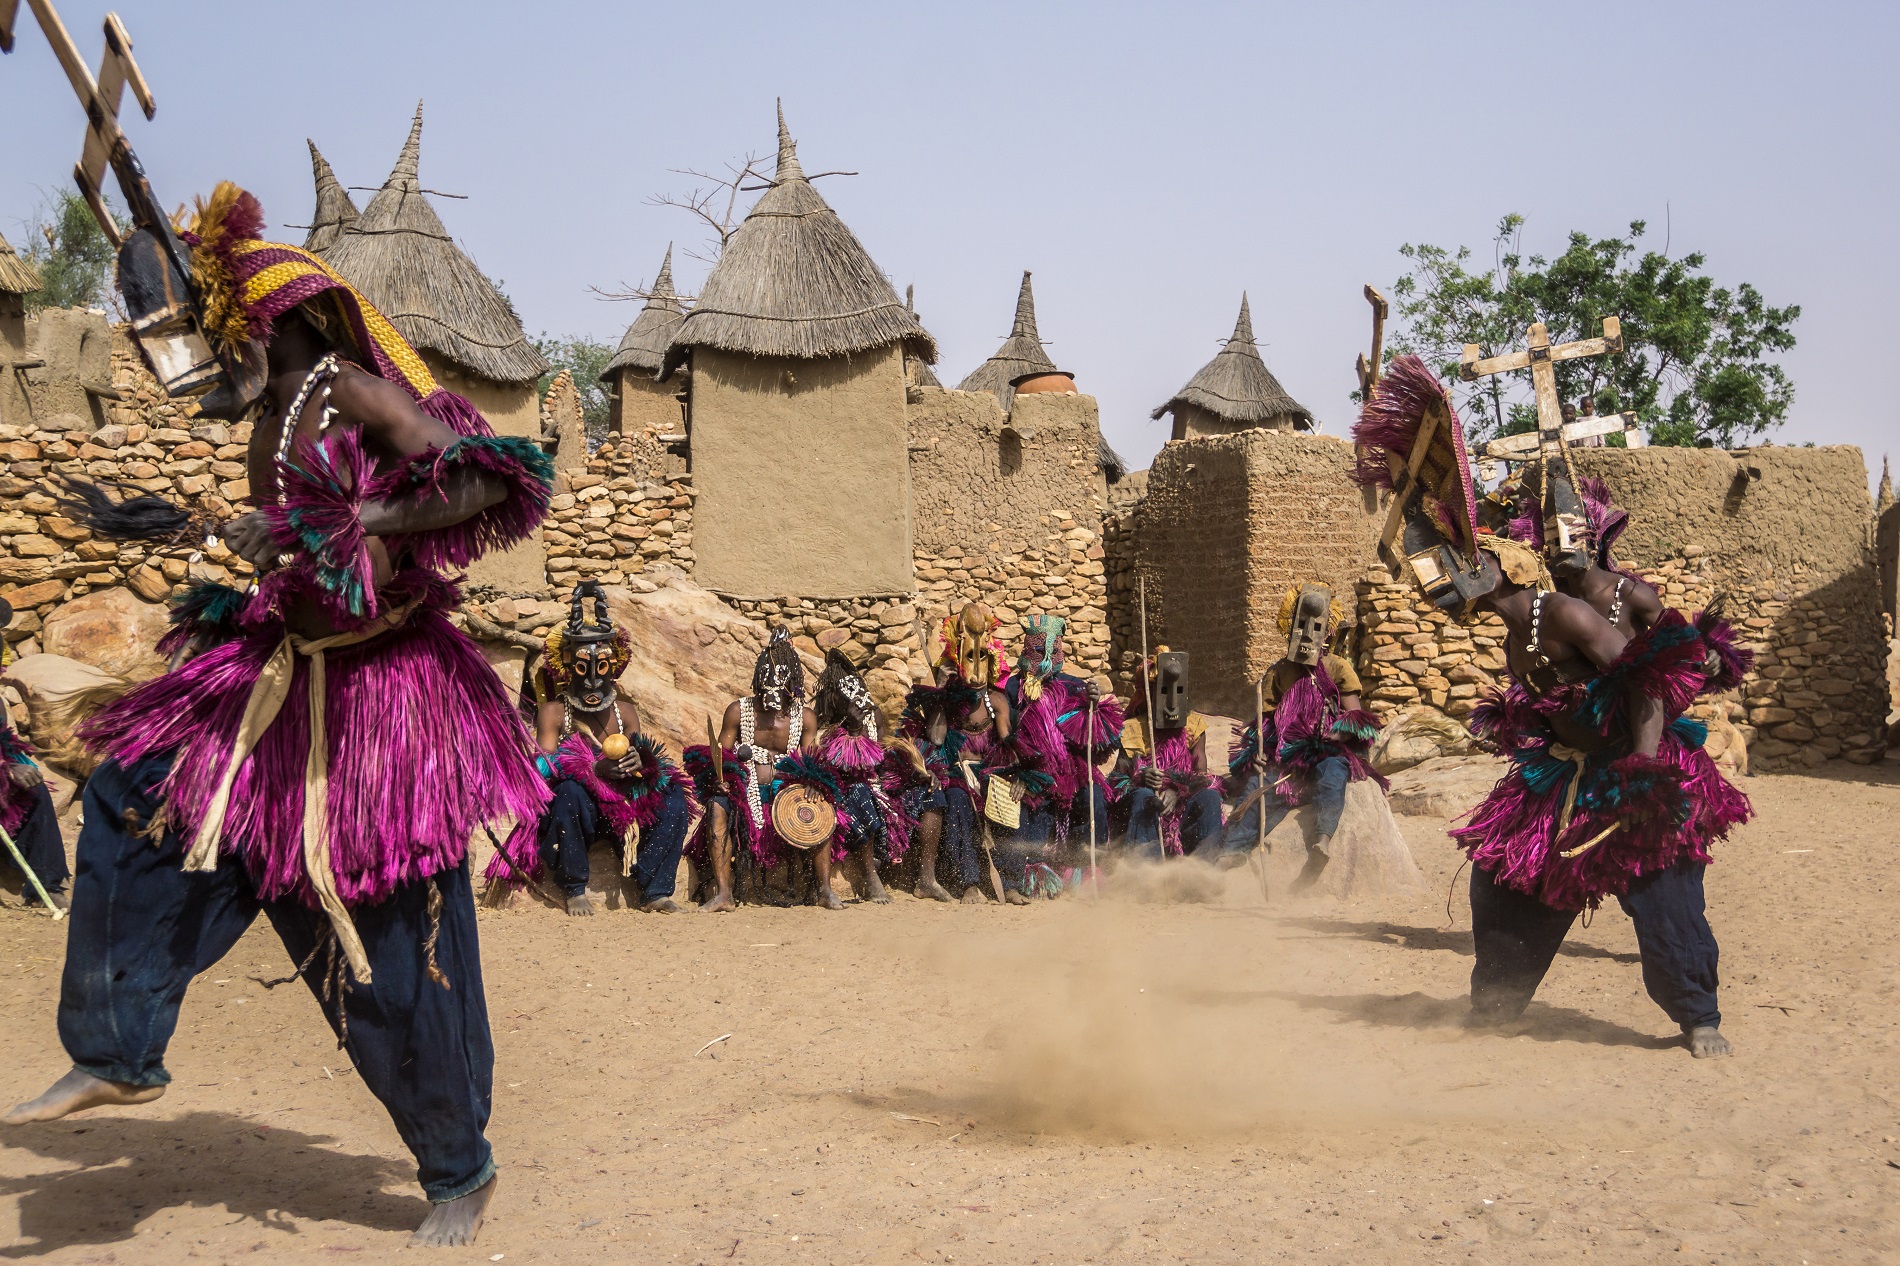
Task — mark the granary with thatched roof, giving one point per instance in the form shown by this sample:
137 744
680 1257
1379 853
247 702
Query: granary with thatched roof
1234 392
639 400
17 280
399 254
1021 354
796 406
335 211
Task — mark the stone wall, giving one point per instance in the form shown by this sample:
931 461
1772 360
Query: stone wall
148 442
1228 524
1008 511
1783 534
630 511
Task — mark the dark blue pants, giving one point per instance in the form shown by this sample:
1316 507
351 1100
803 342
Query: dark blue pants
958 845
1330 778
141 928
37 838
1200 821
1038 828
867 822
573 820
1517 938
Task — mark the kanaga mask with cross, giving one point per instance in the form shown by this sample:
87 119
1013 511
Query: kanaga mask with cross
778 678
1411 444
585 658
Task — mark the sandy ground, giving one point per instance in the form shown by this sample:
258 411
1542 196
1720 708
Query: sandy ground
1133 1081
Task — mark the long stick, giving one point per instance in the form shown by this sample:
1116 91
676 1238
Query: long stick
1260 809
1088 747
1147 678
58 914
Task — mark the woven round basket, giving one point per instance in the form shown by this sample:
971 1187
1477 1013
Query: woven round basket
802 817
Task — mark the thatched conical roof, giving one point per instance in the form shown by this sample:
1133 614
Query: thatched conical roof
1237 387
399 255
643 346
1111 462
16 275
335 211
794 281
1021 353
921 374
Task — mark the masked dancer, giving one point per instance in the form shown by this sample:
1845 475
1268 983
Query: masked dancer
957 725
26 807
1171 804
1317 736
329 754
1609 792
1058 719
736 782
605 774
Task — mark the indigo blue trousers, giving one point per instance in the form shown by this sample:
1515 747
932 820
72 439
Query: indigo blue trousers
1200 821
573 820
1330 778
37 838
141 928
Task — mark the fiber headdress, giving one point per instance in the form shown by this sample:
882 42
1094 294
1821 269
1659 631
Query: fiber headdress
1336 614
1042 645
247 283
970 645
576 631
1412 444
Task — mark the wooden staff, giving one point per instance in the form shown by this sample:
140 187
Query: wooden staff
19 860
1088 747
1147 678
1260 808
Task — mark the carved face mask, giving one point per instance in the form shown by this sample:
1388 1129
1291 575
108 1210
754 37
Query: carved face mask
1306 640
1171 688
166 325
778 678
591 688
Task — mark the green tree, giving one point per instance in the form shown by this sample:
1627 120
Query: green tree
72 254
585 358
1694 364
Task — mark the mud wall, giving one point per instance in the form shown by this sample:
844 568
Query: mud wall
803 479
1228 524
638 403
1008 511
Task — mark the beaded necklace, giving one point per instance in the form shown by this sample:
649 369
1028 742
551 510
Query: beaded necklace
1616 601
567 715
795 722
324 372
1534 647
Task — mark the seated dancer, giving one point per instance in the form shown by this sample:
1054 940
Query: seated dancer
854 771
1170 802
1317 734
771 722
26 808
956 725
1057 719
327 754
1609 792
627 787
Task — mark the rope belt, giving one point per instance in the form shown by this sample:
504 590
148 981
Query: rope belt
1564 752
268 695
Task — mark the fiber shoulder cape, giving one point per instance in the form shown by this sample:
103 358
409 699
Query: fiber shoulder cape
1571 828
1307 726
625 805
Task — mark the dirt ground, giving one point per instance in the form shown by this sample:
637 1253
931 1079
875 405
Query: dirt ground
1130 1081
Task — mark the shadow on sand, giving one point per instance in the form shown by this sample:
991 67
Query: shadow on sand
1449 939
1540 1022
119 1171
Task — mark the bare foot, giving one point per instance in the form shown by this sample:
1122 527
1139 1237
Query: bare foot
932 890
1706 1042
874 887
77 1091
827 898
455 1222
58 897
720 902
580 905
1015 898
661 905
1310 873
973 896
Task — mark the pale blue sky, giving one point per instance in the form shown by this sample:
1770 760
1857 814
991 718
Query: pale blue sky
1147 162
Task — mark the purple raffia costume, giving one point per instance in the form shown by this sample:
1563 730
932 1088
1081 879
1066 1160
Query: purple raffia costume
1569 825
332 784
